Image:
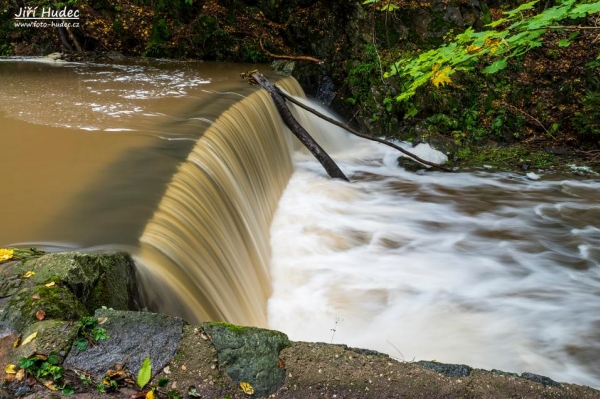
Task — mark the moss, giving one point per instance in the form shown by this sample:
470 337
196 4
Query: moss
230 327
505 158
57 302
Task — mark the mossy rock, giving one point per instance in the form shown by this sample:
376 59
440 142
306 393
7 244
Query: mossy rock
57 302
249 354
52 336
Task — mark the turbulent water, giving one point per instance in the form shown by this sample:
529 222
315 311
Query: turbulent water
493 270
185 169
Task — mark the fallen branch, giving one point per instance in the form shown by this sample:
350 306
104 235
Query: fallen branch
289 57
330 166
359 134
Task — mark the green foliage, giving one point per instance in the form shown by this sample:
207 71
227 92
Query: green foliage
174 394
511 36
587 122
43 367
156 46
89 332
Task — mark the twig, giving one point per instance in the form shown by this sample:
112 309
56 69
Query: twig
573 27
289 57
359 134
527 115
334 329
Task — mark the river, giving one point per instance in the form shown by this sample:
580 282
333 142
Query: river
228 220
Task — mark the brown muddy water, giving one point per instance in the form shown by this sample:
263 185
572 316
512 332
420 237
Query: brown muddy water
191 170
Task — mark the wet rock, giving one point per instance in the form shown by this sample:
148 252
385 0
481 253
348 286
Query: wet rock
449 370
410 164
249 354
540 379
133 336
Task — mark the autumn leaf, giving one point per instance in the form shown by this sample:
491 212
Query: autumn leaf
20 375
473 49
247 388
40 315
17 341
150 394
50 284
5 254
29 339
50 385
35 296
10 369
102 320
441 77
29 274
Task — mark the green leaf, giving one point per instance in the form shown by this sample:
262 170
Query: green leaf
564 43
496 22
522 7
162 382
145 373
411 112
67 391
587 8
389 7
496 66
81 344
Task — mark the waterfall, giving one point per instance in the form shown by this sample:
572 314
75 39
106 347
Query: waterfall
205 252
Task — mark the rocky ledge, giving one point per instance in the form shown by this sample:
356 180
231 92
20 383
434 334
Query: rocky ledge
70 325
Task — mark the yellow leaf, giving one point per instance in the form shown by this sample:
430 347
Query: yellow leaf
17 341
52 284
28 274
50 385
473 49
29 339
5 254
10 369
247 388
102 320
441 77
150 394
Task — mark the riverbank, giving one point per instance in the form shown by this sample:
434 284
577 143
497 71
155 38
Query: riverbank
53 340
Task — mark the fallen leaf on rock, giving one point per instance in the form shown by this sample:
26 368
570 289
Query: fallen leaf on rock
281 364
35 296
50 385
50 284
9 377
17 341
10 369
102 320
247 388
40 315
29 339
41 357
115 374
183 367
150 394
6 254
20 375
29 274
31 381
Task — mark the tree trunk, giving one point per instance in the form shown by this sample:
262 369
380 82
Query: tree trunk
330 166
